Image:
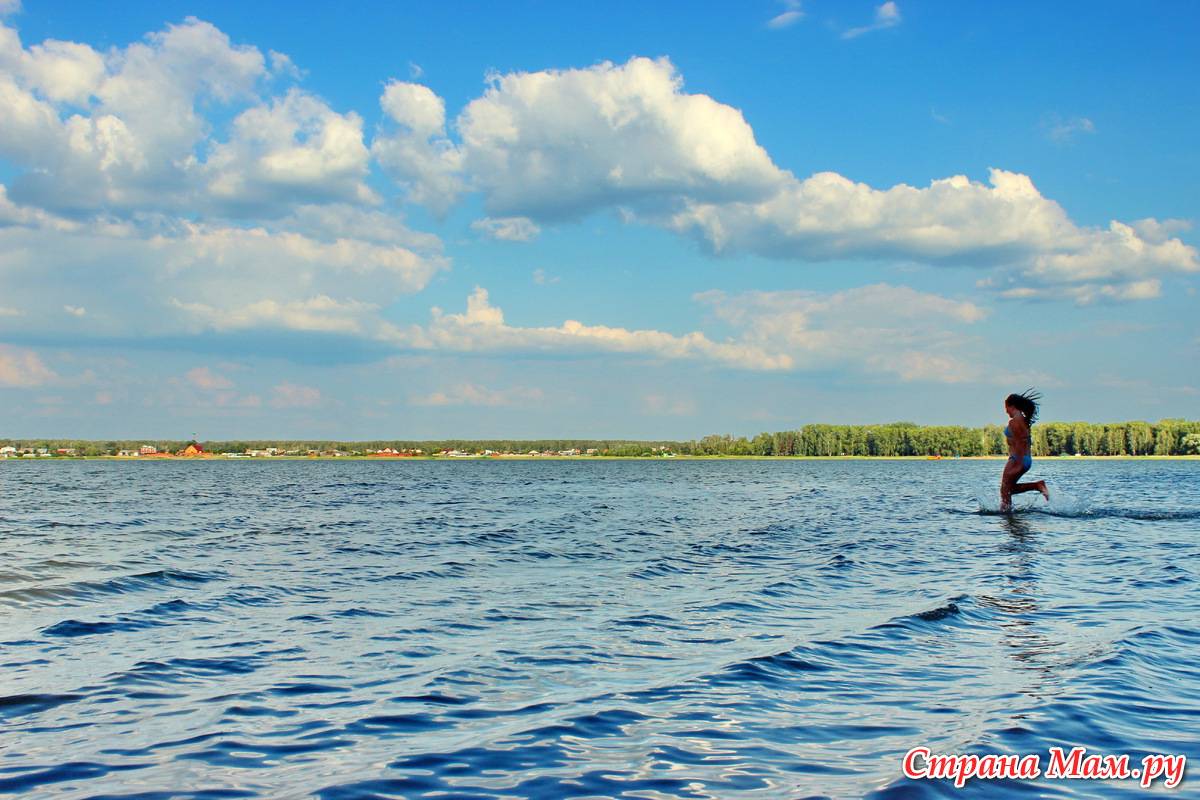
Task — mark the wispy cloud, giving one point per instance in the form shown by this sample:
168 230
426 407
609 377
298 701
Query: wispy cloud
482 330
20 368
205 378
200 387
1066 130
472 394
886 16
791 14
292 395
912 335
509 229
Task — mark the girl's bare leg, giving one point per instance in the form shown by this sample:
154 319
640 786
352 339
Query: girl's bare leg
1039 486
1008 484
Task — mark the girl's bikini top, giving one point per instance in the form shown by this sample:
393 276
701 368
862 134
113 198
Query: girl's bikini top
1008 435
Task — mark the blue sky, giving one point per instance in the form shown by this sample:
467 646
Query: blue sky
423 221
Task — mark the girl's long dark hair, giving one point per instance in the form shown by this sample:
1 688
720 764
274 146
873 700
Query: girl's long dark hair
1026 403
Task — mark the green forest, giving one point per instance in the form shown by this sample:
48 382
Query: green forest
1168 437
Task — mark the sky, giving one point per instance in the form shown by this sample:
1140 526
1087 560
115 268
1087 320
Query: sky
418 221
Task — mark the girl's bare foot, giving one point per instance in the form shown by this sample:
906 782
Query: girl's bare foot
1045 492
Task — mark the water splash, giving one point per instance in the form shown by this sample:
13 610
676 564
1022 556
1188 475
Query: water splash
1063 503
987 495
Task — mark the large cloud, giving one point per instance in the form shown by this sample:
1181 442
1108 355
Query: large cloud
296 150
1007 225
555 145
115 131
561 144
126 131
134 217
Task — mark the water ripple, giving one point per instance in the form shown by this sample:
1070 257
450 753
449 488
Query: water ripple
502 629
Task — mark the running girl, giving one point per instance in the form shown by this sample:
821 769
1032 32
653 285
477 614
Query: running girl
1022 410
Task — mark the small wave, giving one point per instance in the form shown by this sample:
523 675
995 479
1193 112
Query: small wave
779 589
1134 513
183 670
71 628
951 610
306 688
397 724
450 569
939 613
70 771
20 704
774 666
360 612
65 594
659 570
649 621
154 617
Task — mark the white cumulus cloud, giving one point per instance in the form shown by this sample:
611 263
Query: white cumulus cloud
415 151
295 150
561 144
116 131
1008 225
129 130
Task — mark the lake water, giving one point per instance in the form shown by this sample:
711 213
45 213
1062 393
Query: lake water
588 629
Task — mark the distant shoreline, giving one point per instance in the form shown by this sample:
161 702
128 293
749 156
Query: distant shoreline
518 457
1138 439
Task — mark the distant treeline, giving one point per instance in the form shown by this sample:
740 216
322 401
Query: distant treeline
1168 437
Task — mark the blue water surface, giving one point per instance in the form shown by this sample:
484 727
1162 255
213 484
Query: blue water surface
585 628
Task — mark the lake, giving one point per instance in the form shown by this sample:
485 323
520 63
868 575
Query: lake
589 628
